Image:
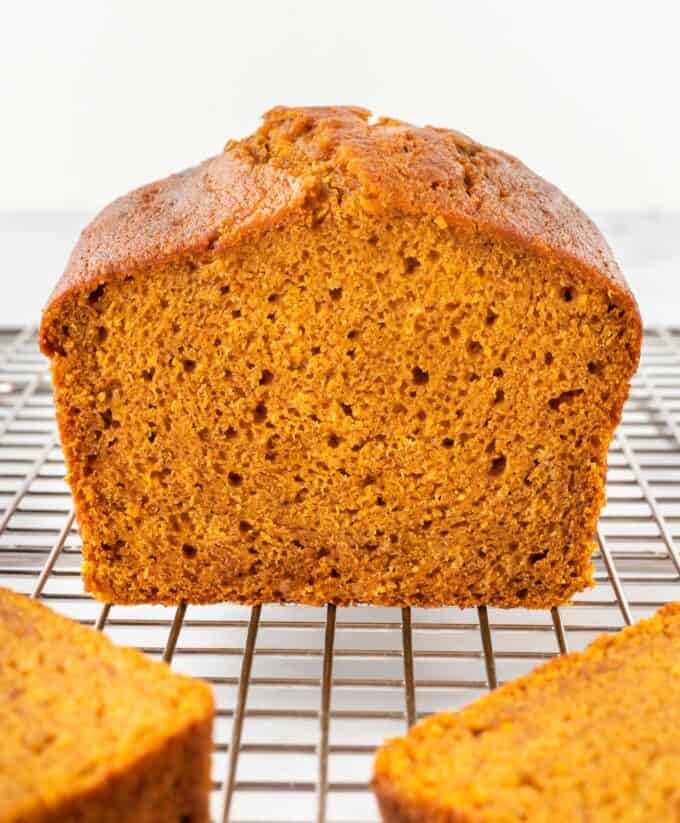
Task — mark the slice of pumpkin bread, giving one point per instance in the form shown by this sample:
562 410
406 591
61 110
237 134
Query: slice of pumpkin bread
95 733
345 362
590 736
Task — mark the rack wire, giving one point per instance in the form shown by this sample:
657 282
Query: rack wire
304 695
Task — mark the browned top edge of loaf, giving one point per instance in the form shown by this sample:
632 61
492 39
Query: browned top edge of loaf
290 164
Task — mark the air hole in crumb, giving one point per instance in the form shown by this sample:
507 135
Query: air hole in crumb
474 346
491 317
420 377
422 415
548 358
567 294
225 289
380 501
335 294
188 551
425 525
260 413
151 436
266 377
522 593
347 409
411 264
107 417
189 365
333 441
564 397
102 334
498 465
499 397
498 372
96 295
244 526
351 334
234 478
595 368
273 298
448 442
316 350
236 313
536 556
334 573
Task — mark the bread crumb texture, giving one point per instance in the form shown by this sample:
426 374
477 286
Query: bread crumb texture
341 362
590 736
94 733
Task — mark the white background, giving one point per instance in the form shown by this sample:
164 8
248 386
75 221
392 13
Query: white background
98 97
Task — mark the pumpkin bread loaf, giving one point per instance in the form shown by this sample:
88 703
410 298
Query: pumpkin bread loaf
94 733
343 361
590 736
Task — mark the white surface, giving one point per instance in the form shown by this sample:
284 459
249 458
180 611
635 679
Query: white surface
99 97
34 247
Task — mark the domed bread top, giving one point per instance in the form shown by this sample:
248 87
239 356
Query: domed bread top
292 163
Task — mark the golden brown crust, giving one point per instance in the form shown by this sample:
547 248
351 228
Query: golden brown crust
387 167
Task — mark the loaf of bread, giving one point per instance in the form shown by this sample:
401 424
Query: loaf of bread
590 736
94 733
343 361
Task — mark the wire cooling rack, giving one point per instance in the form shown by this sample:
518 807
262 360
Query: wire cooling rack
304 695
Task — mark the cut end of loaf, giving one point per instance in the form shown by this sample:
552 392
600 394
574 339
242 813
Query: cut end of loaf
347 409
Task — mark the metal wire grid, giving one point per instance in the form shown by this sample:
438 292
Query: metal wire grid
304 695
